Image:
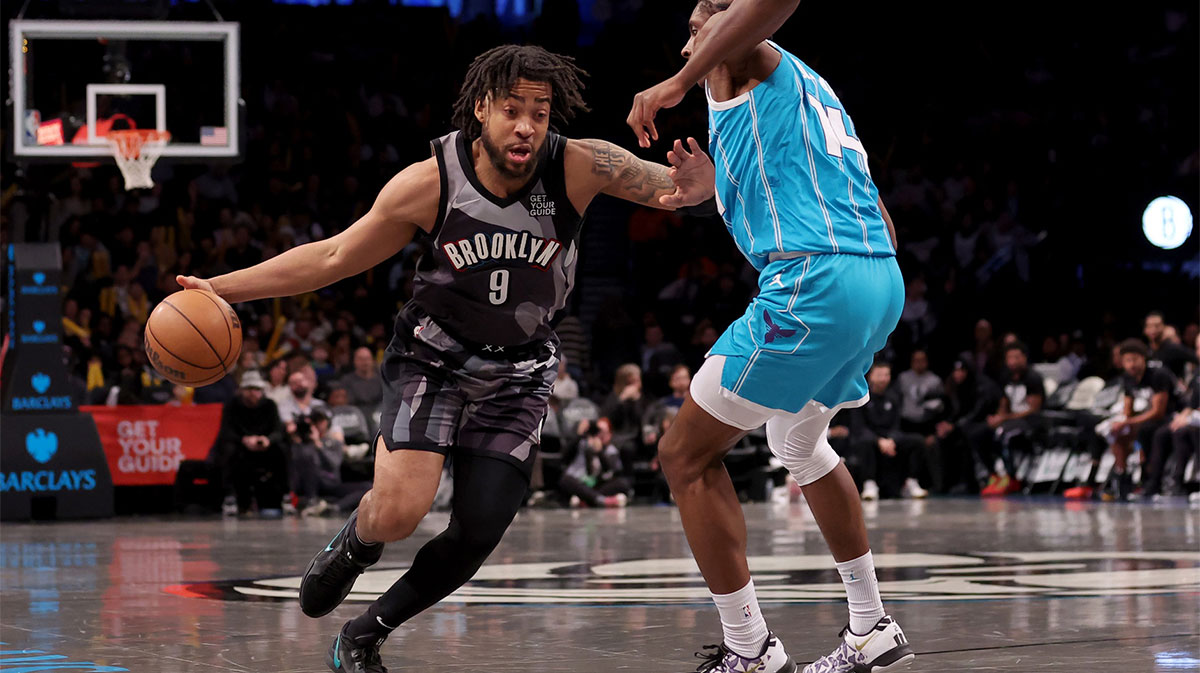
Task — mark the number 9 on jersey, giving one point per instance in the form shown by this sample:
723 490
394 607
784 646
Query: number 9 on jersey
499 286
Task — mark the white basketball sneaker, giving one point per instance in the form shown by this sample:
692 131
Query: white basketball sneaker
912 490
884 649
772 659
870 490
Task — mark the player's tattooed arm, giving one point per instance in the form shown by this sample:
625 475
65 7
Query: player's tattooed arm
625 176
598 166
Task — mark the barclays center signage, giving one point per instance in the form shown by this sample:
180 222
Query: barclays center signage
51 461
42 446
39 286
41 393
54 462
37 334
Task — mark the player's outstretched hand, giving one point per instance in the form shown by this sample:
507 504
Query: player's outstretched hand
647 103
194 283
693 174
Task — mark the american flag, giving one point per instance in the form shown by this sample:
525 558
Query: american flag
214 135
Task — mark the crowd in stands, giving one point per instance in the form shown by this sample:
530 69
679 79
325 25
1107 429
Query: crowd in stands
1009 336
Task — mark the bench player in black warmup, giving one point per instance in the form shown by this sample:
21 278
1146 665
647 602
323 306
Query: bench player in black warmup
473 360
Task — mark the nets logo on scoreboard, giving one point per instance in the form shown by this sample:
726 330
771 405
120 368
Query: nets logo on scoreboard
1167 222
780 579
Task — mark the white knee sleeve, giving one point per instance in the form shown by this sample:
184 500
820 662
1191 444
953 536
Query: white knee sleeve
801 443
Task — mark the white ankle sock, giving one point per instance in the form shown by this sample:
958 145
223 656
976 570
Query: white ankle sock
742 621
862 591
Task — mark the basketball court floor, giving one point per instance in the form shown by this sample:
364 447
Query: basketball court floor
1015 586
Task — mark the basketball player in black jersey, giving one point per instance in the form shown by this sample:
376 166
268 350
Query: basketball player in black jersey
469 371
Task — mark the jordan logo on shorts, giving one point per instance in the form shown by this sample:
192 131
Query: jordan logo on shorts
774 330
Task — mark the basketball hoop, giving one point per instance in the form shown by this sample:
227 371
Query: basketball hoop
136 150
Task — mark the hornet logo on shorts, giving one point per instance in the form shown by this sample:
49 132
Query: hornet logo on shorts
774 330
779 579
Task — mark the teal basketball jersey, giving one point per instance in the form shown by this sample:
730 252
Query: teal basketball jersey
791 175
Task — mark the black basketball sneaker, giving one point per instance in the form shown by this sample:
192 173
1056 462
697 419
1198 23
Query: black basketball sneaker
332 572
348 656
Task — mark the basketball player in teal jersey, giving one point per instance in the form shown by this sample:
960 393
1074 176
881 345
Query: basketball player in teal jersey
794 189
469 371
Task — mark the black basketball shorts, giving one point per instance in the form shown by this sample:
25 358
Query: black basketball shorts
440 395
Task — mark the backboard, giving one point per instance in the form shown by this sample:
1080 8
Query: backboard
74 80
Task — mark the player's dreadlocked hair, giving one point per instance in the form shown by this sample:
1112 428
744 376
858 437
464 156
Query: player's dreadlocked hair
713 6
496 71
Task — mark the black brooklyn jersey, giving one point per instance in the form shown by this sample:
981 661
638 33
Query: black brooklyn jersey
499 269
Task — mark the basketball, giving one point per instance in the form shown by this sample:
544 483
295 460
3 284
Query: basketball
193 338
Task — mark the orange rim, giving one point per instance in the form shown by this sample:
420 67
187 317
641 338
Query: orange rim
129 141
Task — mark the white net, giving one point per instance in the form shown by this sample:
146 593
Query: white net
135 152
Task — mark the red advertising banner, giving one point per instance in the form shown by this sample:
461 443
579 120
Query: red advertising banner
145 444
